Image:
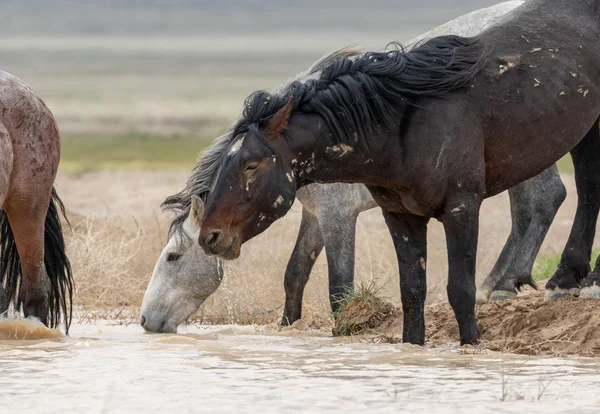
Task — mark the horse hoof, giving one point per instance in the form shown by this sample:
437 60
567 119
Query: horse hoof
557 293
590 292
482 296
500 295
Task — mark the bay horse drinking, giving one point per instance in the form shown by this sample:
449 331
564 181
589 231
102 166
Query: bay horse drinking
431 132
35 273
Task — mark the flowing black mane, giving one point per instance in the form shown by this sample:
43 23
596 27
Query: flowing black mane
356 94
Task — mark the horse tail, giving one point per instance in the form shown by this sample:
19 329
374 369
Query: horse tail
58 266
56 263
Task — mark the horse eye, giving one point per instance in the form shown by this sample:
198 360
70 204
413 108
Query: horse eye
251 167
172 257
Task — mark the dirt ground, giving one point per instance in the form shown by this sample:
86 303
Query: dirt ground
119 231
526 326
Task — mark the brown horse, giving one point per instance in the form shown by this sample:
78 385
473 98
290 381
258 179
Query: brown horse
35 273
431 132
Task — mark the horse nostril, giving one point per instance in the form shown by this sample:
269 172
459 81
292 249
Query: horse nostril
142 320
214 238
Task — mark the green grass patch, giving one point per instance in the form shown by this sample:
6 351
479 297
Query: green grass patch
131 151
544 267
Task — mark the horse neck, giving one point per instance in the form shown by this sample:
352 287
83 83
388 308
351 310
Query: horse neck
317 156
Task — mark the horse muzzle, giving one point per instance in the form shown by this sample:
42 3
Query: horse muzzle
155 324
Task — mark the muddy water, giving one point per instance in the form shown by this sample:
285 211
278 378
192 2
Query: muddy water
112 369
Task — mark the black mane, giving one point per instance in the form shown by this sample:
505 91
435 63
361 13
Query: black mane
356 94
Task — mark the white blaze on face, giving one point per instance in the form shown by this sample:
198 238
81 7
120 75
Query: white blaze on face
236 146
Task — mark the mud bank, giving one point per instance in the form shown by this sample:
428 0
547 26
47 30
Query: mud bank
525 325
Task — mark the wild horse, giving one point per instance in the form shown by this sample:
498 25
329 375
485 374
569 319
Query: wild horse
35 273
431 132
184 276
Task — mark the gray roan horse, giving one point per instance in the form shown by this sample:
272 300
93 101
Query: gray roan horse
35 273
185 276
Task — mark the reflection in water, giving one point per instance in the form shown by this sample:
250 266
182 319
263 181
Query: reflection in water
112 369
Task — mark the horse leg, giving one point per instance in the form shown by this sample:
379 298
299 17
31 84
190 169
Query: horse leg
27 216
521 219
574 264
590 288
591 285
339 234
461 225
308 247
537 200
409 234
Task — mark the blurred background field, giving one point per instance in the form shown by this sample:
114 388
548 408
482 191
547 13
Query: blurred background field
139 88
150 83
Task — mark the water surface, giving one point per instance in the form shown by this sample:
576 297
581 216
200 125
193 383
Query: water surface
108 368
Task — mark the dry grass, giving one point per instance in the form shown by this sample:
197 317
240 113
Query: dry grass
111 261
360 309
119 231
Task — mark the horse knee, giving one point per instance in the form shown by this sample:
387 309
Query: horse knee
544 213
556 195
548 200
294 281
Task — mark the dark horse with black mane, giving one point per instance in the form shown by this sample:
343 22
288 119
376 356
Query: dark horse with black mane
35 273
431 132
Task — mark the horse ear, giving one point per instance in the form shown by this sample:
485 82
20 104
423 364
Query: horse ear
197 210
278 123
